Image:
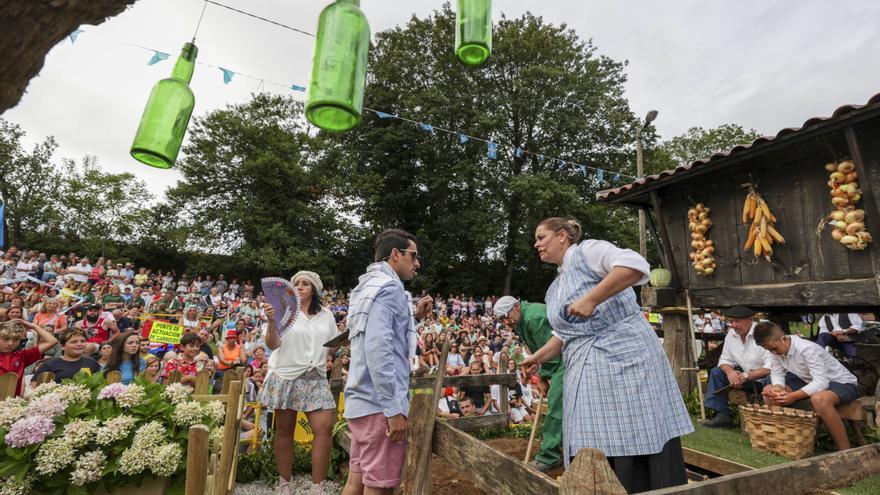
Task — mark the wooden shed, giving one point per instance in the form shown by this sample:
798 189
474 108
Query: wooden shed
811 272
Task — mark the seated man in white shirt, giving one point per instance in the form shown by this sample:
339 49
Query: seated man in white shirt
835 330
801 370
743 364
448 406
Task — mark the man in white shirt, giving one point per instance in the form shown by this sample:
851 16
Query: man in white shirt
743 364
801 370
835 330
81 271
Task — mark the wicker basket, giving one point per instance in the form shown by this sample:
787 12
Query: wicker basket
781 430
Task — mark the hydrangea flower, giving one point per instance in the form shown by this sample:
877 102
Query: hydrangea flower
42 389
29 430
11 410
73 393
54 455
88 468
187 413
143 450
79 432
112 391
215 410
115 430
177 393
166 460
11 486
133 395
48 405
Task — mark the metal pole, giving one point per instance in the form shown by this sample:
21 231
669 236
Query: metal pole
640 172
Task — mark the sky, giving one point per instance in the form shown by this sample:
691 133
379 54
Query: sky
765 64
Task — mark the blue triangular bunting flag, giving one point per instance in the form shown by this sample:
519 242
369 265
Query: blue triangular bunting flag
492 151
561 165
600 175
157 57
518 153
427 127
383 115
227 75
616 177
298 88
583 170
540 158
463 139
74 35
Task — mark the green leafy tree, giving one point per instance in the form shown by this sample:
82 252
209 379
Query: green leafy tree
698 143
29 183
250 188
543 90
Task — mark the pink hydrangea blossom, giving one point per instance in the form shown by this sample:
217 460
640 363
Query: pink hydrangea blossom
30 430
112 391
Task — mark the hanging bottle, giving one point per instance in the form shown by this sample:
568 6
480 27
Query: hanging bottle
167 114
339 67
473 31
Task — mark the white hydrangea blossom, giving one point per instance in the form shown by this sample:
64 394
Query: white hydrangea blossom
187 413
11 486
215 439
177 393
166 460
115 430
88 468
132 396
11 410
73 393
215 410
79 432
42 389
143 448
54 455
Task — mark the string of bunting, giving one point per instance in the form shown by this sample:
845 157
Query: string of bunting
492 148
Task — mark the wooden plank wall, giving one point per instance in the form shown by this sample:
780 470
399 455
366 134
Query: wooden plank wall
793 182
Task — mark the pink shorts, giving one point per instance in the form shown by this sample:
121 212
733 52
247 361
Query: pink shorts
377 459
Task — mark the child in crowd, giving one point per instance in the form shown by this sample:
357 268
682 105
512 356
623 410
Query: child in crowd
803 370
15 361
185 362
72 360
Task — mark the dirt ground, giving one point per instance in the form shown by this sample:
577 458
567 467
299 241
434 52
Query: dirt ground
446 480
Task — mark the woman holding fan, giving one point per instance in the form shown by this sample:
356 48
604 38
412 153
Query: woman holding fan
297 381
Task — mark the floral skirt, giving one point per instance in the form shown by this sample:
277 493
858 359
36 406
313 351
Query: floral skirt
309 392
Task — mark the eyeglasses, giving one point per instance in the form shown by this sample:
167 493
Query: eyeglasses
415 253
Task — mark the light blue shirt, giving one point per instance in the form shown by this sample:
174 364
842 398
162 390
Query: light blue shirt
378 375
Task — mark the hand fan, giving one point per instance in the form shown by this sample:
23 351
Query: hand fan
284 297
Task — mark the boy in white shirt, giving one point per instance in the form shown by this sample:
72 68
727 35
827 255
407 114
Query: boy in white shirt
801 370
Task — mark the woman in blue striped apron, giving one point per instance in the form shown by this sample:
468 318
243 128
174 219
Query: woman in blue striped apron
620 395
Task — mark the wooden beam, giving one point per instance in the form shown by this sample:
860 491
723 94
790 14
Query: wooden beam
508 379
488 467
661 297
474 423
422 418
824 472
665 243
590 473
869 201
712 463
197 460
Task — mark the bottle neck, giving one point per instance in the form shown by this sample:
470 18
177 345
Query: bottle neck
356 3
186 63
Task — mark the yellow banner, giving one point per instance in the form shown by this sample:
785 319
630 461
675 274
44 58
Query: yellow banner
166 333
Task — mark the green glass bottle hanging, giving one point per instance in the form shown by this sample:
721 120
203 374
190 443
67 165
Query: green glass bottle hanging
473 31
167 114
339 67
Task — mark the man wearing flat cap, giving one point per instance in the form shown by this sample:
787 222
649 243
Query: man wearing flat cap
529 321
743 364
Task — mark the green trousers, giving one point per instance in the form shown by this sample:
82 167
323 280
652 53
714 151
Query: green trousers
551 444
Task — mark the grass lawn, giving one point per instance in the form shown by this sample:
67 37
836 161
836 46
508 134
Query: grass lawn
733 445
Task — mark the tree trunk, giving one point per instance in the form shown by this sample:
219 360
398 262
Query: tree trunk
32 27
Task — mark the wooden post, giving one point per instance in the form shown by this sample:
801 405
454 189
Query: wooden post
504 402
693 349
230 437
197 460
8 383
421 422
590 473
675 330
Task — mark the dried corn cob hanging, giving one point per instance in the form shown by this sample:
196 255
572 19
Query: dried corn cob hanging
762 233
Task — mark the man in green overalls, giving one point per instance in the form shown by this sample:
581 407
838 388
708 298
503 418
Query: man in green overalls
529 321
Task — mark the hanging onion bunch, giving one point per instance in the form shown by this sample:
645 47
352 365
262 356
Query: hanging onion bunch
847 221
702 256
